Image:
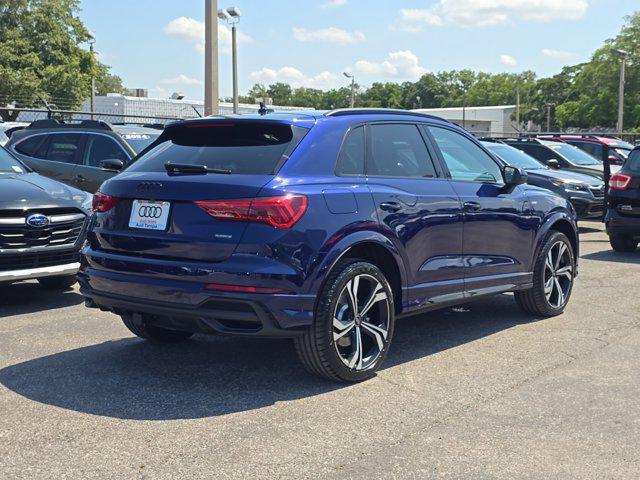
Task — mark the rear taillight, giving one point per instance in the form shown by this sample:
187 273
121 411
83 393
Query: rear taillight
103 203
619 181
279 212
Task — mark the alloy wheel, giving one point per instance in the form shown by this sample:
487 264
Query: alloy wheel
361 322
558 275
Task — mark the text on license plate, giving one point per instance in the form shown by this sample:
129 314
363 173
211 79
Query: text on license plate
149 215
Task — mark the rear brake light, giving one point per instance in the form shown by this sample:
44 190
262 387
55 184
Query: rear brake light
103 203
279 212
245 289
619 181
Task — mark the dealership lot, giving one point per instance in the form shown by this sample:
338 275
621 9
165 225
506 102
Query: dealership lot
481 391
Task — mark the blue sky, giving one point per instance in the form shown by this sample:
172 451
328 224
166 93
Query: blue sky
157 44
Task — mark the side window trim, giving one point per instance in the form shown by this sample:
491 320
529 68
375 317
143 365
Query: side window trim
85 154
471 139
369 150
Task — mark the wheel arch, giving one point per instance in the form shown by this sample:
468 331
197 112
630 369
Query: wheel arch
559 222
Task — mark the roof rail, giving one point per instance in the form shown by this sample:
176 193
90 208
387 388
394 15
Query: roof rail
340 112
53 123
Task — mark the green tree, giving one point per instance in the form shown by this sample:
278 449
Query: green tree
280 93
41 55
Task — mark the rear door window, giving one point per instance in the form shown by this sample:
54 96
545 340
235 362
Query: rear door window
252 148
351 159
64 148
398 150
33 146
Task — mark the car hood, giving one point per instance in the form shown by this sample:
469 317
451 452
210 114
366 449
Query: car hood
565 176
599 167
30 190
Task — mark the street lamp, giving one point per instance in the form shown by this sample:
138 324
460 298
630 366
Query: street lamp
92 42
211 105
623 56
353 87
232 16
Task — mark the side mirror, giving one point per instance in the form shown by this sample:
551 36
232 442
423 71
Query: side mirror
553 163
513 177
112 164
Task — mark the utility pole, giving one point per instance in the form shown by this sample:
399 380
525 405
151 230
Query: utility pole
518 105
464 110
623 63
92 42
211 102
353 87
232 16
549 105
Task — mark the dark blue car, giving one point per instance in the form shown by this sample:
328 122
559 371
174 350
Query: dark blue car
324 228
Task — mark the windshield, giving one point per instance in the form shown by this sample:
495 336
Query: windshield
140 141
575 155
516 158
8 164
253 148
622 153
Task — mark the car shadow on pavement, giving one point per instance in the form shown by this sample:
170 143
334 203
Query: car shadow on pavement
210 376
30 297
612 256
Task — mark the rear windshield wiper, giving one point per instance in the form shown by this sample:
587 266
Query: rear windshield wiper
188 168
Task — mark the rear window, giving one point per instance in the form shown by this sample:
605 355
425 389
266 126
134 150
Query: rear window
250 148
139 141
633 162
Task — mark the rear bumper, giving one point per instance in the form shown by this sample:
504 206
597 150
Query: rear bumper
180 301
622 225
31 273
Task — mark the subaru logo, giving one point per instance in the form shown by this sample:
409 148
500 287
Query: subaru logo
37 220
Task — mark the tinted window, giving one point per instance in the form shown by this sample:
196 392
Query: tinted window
101 148
351 160
466 160
245 148
63 147
9 164
399 151
32 146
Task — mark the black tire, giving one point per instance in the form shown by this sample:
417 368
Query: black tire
622 243
318 350
535 301
140 328
58 283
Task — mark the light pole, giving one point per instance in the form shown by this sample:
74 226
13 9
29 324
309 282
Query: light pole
211 102
623 63
232 16
353 87
92 42
549 105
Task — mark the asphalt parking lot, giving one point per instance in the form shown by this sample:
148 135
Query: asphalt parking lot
477 392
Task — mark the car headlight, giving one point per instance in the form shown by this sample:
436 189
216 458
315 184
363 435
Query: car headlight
87 203
571 186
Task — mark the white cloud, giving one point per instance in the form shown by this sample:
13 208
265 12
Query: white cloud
508 60
192 31
486 13
562 54
334 4
181 79
294 77
401 64
328 35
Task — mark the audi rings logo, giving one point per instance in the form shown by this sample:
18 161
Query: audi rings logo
146 211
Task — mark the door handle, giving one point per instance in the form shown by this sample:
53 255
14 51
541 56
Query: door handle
78 179
390 206
472 206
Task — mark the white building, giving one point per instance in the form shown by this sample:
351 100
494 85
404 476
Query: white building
495 120
127 109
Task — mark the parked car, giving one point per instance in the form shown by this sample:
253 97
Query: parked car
617 150
83 154
321 227
623 214
42 226
7 128
560 155
586 193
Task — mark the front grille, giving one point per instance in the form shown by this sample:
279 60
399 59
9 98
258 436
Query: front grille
37 260
597 192
64 228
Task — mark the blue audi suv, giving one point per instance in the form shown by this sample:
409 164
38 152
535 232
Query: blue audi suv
323 227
